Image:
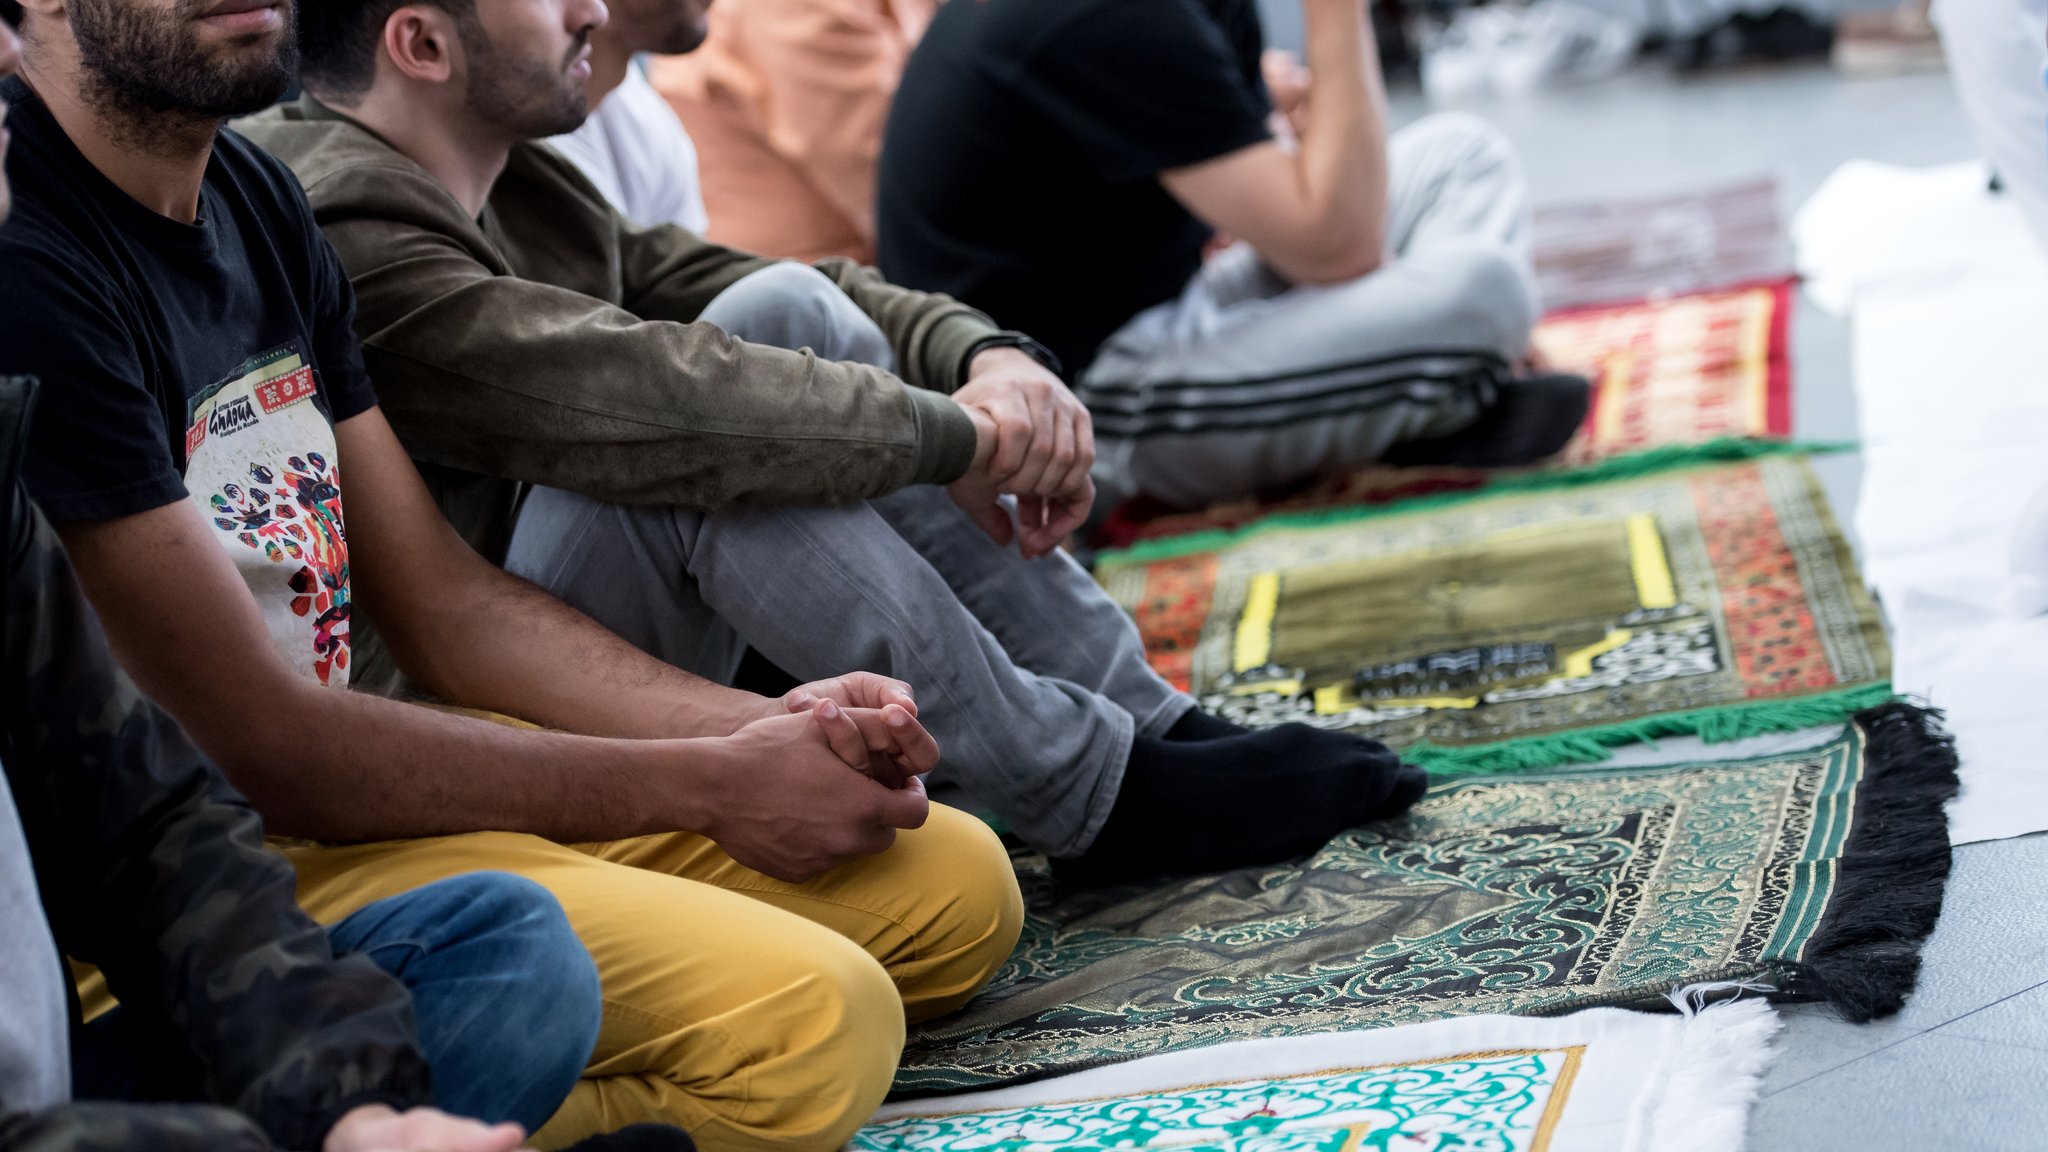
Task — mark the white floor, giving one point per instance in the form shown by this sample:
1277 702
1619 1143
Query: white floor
1962 1066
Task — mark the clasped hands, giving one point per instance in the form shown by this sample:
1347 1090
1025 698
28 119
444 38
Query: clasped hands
1034 441
828 772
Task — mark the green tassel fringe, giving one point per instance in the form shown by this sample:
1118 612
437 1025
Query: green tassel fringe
1670 458
1592 745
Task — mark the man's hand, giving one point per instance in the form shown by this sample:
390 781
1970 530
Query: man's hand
376 1128
853 690
879 734
1035 441
793 797
1287 81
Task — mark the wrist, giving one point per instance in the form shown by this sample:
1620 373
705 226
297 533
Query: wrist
683 779
716 711
1032 351
984 440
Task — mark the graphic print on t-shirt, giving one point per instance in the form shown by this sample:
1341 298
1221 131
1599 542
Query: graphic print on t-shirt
260 461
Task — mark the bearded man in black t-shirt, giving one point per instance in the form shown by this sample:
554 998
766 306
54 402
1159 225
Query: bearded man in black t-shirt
1063 165
210 449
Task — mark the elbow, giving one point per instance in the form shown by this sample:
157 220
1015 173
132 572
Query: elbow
1342 255
1331 254
1344 267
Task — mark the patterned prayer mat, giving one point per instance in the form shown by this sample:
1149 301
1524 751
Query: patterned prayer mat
1604 1078
1706 371
1818 872
1613 250
1521 629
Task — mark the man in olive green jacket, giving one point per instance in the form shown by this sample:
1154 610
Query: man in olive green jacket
617 414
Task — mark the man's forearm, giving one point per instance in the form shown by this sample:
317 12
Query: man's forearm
1343 151
368 768
558 668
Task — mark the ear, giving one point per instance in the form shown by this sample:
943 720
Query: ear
47 9
422 43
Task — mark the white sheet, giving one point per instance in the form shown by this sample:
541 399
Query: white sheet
1948 300
1656 1083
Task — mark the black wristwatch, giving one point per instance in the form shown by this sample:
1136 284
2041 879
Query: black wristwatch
1021 343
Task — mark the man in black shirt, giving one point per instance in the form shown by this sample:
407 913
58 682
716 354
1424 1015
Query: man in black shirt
121 846
1062 164
735 869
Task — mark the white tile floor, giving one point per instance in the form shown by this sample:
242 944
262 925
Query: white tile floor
1962 1066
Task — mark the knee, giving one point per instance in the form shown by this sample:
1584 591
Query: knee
1471 140
1487 298
979 913
835 1038
791 305
545 1001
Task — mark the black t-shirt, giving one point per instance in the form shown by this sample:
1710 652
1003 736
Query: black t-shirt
206 360
1019 170
131 318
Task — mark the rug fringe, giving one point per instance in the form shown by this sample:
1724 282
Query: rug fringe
1592 745
1671 457
1865 955
1711 1076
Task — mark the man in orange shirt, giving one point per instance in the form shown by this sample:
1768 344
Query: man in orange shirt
786 101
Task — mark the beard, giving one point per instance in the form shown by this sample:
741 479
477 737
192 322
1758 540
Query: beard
150 61
529 99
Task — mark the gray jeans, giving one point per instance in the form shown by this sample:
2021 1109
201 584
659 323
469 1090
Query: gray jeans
1245 381
1032 680
35 1036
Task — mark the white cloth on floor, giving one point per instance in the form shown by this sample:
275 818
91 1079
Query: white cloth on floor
1947 296
1605 1079
1998 59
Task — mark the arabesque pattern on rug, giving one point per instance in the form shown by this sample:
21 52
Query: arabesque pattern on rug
1512 616
1522 894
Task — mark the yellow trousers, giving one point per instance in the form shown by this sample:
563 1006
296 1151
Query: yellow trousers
754 1013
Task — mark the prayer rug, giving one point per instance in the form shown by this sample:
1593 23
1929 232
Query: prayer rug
1683 379
1603 1079
1500 630
1816 872
1606 251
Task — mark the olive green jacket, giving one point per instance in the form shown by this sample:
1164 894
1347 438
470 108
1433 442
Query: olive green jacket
552 342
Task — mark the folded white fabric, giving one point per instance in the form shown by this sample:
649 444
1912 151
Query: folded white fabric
1946 293
1604 1080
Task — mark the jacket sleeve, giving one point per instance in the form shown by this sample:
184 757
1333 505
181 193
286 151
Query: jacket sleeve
151 867
105 1126
670 273
512 377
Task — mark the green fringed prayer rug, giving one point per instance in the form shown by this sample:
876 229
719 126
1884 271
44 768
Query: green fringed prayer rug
1817 872
1485 632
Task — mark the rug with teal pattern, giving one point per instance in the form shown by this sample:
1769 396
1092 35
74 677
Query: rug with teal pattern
1818 872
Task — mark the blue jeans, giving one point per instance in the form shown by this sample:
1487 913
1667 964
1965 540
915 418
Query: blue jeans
505 997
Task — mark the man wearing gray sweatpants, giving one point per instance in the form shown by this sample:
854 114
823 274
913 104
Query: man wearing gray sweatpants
1067 165
704 449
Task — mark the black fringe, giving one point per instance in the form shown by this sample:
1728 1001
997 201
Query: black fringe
1865 955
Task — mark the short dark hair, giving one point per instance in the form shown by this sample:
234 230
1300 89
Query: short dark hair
338 40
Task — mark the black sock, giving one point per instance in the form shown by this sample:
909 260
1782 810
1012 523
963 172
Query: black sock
1253 798
1195 724
1531 418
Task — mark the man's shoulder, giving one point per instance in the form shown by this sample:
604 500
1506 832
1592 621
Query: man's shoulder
537 171
347 170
